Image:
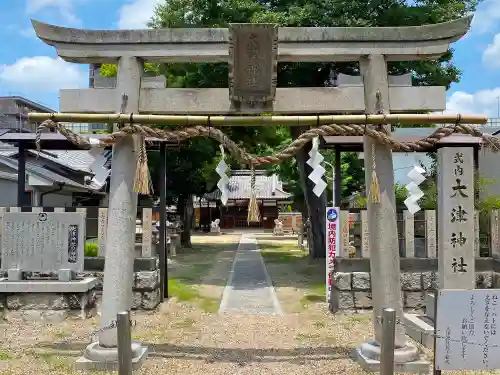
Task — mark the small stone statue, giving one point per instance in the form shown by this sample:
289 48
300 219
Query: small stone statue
278 228
352 250
214 226
307 228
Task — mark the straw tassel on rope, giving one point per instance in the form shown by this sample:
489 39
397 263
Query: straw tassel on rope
141 179
374 185
253 207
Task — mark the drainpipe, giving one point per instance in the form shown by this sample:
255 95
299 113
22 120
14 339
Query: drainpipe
59 188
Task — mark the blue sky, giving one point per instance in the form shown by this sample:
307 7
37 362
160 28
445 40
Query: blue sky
30 68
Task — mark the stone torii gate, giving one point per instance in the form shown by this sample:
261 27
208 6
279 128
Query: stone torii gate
253 52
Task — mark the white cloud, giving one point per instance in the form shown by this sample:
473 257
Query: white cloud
65 8
487 16
42 74
135 14
483 102
491 55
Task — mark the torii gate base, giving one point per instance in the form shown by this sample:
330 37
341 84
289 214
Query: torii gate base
402 359
106 359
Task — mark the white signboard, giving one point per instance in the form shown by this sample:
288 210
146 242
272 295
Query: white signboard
467 337
332 245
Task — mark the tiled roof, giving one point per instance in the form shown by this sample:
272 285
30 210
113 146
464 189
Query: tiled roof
78 160
266 187
43 173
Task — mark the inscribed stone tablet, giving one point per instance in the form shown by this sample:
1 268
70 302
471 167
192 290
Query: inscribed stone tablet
430 233
102 230
253 51
43 242
468 331
365 235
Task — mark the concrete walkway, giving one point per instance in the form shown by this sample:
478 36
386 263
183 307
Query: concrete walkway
249 289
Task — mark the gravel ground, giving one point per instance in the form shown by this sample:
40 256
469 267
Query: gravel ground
185 339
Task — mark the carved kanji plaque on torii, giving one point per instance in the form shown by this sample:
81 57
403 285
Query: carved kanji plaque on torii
253 50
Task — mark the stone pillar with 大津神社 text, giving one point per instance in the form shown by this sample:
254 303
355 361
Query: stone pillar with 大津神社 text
456 237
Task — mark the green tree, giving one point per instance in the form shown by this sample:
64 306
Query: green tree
204 13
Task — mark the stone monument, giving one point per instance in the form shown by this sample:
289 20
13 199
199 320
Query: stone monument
278 228
42 253
252 52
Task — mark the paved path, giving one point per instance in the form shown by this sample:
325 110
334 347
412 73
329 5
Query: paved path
249 289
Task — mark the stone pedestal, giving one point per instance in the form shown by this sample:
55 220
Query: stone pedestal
106 359
406 359
49 301
215 231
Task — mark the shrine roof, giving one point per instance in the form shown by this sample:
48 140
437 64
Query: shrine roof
56 141
266 187
355 143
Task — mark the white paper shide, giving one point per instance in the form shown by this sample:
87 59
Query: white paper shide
223 183
318 171
416 176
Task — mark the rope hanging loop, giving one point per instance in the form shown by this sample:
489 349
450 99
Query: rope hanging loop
380 136
253 206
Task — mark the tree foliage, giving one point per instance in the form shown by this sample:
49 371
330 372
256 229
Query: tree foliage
208 13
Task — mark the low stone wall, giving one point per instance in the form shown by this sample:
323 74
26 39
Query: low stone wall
146 283
418 275
49 306
355 288
145 288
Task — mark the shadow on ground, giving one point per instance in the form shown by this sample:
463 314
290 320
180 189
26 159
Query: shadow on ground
213 354
277 238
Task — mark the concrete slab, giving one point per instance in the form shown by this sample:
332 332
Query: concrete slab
48 286
420 329
420 366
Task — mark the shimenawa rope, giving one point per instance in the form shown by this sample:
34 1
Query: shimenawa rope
179 135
